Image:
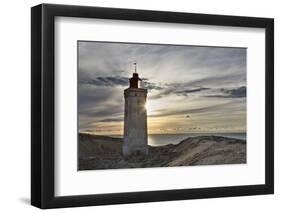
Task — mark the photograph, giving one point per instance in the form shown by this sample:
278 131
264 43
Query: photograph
146 105
133 105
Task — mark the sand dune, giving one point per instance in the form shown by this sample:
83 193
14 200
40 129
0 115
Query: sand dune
102 152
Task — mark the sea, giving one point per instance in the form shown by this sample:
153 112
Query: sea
165 139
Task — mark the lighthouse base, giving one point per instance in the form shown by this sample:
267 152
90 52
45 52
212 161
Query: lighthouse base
132 149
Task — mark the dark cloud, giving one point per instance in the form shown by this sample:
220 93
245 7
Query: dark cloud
89 130
113 81
194 90
150 85
106 81
187 91
99 112
111 120
177 89
239 92
225 79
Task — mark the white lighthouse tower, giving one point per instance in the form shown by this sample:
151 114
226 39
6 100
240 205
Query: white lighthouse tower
135 119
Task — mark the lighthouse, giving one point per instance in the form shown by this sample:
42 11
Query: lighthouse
135 119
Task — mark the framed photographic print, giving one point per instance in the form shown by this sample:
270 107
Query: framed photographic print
139 106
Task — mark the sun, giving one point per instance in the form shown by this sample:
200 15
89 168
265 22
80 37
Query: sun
145 106
148 107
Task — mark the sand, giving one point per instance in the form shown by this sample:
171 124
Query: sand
102 152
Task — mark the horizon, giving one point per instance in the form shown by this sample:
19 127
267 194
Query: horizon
175 138
185 133
191 89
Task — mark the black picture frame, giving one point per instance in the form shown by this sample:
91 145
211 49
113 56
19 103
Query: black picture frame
43 102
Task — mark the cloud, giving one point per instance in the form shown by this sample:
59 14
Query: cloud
239 92
181 80
227 79
180 89
150 85
112 81
187 91
188 112
111 120
106 81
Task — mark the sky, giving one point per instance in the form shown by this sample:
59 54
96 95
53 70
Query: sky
190 88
